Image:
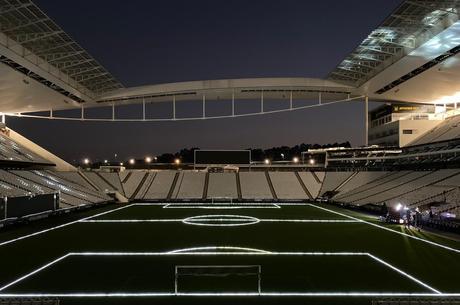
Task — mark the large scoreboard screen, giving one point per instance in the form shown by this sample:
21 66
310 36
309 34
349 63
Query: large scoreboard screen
222 156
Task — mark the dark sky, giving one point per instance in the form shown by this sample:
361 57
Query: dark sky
149 42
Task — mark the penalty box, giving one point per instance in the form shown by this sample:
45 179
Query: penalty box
178 212
216 271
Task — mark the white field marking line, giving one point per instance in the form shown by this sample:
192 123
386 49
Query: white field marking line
190 252
181 220
34 272
249 250
388 229
219 207
61 226
227 294
224 203
213 220
403 273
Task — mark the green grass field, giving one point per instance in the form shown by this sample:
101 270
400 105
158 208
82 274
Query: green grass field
251 254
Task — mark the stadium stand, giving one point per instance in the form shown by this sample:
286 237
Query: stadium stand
287 186
334 180
101 183
124 175
132 183
361 178
319 176
113 179
71 194
24 184
254 186
447 130
189 186
311 182
160 186
76 177
222 185
12 151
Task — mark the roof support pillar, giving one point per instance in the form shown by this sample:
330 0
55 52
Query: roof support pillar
233 102
290 100
204 106
174 107
366 121
143 109
262 101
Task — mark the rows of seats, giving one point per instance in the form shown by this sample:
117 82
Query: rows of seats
131 184
333 180
254 185
12 151
160 185
446 130
222 185
189 186
76 177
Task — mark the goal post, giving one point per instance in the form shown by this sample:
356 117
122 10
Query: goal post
221 200
217 278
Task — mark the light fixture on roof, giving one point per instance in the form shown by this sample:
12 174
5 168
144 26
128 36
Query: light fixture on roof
267 161
148 159
295 160
132 161
312 161
177 161
86 161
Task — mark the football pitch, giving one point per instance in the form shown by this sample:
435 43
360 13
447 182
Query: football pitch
224 252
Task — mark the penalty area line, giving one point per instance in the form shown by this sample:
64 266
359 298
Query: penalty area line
388 229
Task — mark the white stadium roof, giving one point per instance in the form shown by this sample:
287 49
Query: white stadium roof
413 56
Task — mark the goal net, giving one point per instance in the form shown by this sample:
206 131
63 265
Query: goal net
220 279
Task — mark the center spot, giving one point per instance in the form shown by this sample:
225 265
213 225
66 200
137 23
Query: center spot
221 220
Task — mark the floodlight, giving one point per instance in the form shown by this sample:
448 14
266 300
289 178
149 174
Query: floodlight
295 160
177 161
132 161
398 207
148 159
267 161
312 161
86 161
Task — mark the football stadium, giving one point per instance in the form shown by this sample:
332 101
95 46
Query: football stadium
374 224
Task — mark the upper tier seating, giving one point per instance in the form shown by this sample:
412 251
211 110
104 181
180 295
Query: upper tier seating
12 151
446 130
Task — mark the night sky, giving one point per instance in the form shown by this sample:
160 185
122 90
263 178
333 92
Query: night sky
151 42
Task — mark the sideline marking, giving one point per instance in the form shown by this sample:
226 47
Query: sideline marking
387 229
61 226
